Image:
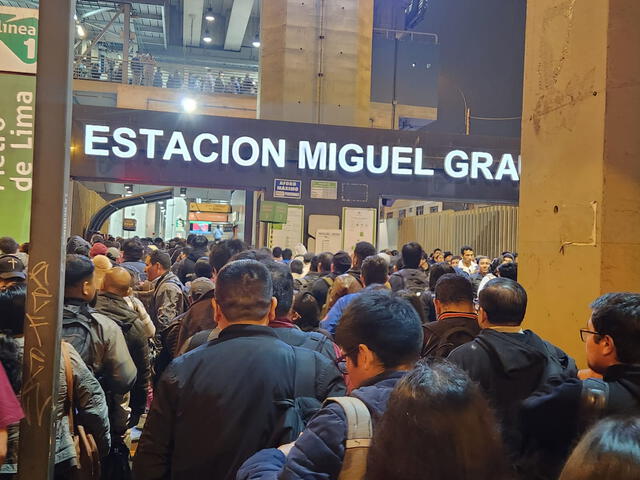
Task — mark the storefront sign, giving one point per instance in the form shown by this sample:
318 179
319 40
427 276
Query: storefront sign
129 224
209 207
273 212
324 189
18 39
287 188
249 152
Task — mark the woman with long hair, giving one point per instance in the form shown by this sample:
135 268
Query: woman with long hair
437 426
609 451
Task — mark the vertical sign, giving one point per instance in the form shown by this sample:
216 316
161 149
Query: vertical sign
358 225
16 153
18 39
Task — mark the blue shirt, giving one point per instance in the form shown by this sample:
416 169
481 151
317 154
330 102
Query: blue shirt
217 234
332 319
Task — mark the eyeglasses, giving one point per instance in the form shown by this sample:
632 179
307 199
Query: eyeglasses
341 361
584 331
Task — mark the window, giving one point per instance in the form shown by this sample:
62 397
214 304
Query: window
420 210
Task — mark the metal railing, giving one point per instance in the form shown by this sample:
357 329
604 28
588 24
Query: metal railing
402 34
152 73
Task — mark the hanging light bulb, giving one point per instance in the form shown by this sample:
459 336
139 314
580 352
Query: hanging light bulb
209 17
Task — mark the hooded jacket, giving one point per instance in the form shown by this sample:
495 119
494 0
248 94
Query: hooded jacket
412 279
509 367
116 308
167 300
188 265
319 451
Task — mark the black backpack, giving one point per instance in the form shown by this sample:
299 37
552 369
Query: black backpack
441 345
411 281
296 412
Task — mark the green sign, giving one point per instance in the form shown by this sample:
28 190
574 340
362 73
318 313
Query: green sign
18 39
17 110
274 212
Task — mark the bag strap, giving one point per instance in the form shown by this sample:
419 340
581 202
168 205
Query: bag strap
359 433
305 373
68 372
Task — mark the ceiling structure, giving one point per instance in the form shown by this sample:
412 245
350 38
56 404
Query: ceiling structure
113 190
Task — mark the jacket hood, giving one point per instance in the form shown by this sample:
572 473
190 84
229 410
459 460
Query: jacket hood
168 277
414 276
375 394
515 354
626 375
117 309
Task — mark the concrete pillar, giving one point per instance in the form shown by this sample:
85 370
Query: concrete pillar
316 61
580 186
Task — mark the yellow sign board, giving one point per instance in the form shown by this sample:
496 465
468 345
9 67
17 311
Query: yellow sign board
209 207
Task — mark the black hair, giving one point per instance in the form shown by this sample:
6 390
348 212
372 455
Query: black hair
287 253
385 323
618 315
132 250
78 246
414 299
296 266
437 250
315 261
456 257
12 308
508 255
244 290
246 255
375 269
436 271
78 269
309 257
437 425
200 242
509 270
282 286
495 263
504 301
453 288
610 450
447 254
306 306
223 251
158 242
363 250
465 248
341 262
190 238
8 245
412 254
202 268
277 252
160 257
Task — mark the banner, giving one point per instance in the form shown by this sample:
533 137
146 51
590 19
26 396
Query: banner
18 39
17 110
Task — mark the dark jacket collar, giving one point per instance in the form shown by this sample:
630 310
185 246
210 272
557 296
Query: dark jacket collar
622 370
386 375
245 330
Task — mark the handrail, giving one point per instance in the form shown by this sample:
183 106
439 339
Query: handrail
408 32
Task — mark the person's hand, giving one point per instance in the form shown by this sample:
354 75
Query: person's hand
286 448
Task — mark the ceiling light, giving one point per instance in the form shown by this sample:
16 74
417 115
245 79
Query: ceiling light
128 187
256 41
183 192
189 105
209 15
207 37
81 31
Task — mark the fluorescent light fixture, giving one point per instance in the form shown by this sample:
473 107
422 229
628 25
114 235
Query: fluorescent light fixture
81 31
183 192
189 105
207 37
256 41
209 17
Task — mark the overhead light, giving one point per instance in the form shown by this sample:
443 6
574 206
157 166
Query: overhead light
183 192
256 41
81 31
189 105
128 187
207 37
413 65
209 15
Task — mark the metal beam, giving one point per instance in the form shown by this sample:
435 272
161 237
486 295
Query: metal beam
102 32
126 35
164 28
45 288
96 11
192 23
238 22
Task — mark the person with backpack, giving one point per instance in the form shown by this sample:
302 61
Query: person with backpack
375 271
132 253
611 338
361 251
96 337
381 336
509 363
187 265
411 277
219 404
168 299
330 266
457 321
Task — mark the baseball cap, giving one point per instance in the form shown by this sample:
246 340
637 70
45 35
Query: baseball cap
11 267
200 286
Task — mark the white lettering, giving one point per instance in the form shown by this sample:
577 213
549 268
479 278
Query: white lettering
481 161
398 160
255 151
90 139
357 161
507 167
371 160
418 168
458 170
225 149
333 147
197 148
269 151
177 146
151 140
130 146
309 160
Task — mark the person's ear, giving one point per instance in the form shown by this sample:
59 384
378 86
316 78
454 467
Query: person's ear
272 309
217 311
438 305
607 346
483 321
366 357
86 288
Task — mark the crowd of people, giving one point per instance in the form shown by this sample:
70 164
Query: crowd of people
255 363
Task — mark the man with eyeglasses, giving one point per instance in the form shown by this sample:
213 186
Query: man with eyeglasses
381 336
554 419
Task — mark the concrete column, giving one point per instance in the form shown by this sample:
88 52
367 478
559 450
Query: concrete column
580 186
316 61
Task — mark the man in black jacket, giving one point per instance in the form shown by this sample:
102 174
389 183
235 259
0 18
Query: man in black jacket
216 406
410 277
361 251
509 363
188 265
339 264
555 417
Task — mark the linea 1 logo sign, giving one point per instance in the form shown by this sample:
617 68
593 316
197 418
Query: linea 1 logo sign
18 39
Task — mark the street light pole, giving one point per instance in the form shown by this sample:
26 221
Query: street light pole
45 290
